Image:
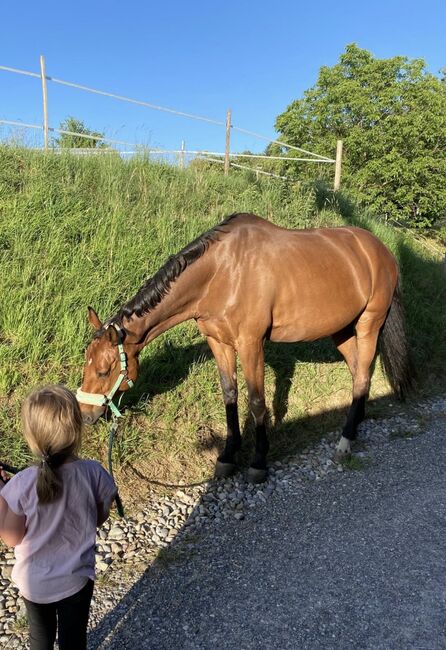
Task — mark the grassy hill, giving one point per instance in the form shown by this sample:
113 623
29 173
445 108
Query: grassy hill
78 231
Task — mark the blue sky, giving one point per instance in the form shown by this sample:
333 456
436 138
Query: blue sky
198 56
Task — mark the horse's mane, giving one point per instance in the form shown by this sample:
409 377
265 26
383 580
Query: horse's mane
156 287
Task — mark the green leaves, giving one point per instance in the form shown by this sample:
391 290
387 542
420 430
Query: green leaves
73 138
391 114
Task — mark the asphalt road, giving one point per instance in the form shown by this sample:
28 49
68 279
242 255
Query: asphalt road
354 561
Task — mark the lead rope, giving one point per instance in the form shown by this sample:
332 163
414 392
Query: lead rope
113 430
10 469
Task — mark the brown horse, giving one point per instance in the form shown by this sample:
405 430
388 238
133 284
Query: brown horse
243 282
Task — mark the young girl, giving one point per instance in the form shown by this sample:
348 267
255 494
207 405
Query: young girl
50 514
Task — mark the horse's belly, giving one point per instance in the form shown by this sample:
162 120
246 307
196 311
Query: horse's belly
315 321
296 332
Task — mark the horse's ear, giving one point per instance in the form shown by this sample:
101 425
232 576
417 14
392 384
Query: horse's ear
93 319
113 335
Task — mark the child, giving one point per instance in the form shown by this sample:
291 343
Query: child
50 514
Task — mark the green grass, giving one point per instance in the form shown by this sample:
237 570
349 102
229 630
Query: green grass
78 231
355 463
20 625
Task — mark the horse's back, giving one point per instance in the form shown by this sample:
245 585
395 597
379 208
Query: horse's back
258 244
257 230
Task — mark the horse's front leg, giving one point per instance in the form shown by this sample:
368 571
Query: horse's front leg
226 362
253 364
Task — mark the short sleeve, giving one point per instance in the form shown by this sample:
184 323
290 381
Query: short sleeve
106 489
12 493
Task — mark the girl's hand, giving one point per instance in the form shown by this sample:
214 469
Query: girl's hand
4 478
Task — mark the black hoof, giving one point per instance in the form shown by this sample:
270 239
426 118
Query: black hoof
255 475
223 470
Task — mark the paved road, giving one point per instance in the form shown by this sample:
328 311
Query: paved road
354 561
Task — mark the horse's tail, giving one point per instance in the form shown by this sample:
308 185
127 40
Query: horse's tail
394 348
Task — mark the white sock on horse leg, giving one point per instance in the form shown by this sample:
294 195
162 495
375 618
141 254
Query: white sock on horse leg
343 446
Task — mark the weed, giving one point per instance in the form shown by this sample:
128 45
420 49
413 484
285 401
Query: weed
169 555
355 463
20 625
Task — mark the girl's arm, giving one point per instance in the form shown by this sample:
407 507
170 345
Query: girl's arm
103 514
105 492
12 526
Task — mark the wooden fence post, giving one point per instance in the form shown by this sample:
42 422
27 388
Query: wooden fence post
228 140
338 164
45 101
182 155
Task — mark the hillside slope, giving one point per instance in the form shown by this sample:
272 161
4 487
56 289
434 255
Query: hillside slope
78 231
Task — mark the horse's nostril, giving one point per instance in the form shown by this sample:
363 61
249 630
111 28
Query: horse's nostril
87 419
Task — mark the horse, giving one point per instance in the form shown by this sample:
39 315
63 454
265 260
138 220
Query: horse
246 281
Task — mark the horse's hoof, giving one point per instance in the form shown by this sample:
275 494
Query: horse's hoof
341 456
255 475
223 470
343 450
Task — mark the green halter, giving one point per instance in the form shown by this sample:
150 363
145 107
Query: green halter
107 400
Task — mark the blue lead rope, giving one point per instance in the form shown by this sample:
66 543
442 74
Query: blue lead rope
10 469
113 430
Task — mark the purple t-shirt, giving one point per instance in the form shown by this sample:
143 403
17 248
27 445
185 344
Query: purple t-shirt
56 557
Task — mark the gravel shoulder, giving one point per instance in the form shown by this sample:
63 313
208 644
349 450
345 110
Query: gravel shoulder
318 557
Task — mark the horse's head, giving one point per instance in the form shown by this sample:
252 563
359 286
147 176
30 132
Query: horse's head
111 367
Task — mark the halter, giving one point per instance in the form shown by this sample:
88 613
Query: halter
107 400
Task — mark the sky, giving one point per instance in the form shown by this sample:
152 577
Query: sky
196 56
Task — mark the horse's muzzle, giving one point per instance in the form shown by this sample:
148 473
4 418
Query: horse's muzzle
90 415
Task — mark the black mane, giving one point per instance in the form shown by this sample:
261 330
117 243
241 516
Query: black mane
156 287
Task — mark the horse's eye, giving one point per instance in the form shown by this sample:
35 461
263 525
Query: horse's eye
104 374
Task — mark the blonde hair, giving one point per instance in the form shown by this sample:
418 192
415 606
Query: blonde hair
52 425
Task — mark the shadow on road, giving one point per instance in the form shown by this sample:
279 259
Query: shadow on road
140 603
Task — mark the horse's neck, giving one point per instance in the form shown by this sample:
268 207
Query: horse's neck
180 304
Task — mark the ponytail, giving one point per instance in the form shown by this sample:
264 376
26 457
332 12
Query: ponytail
49 483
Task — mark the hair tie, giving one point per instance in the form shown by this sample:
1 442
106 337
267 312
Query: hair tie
45 459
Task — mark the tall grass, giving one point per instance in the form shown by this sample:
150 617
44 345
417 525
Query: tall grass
78 231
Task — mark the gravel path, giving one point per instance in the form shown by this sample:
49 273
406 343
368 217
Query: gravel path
317 557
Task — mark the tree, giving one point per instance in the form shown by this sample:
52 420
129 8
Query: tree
391 115
69 141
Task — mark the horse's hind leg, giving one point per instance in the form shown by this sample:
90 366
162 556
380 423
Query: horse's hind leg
345 341
253 364
367 331
226 362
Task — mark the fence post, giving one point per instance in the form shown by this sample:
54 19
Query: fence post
182 155
45 101
228 140
338 163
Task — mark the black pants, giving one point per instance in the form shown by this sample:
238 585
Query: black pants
69 616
